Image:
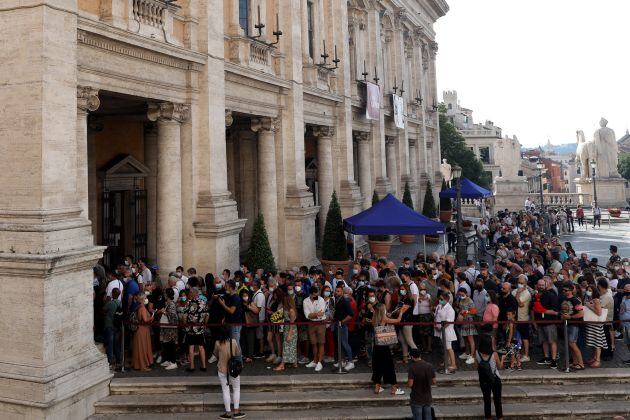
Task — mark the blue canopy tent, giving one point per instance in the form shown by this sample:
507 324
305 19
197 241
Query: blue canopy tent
469 190
391 217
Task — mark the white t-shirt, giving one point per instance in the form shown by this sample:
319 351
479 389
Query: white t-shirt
413 289
318 305
180 285
259 301
146 275
114 284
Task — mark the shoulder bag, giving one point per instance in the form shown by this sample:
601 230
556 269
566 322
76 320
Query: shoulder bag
385 335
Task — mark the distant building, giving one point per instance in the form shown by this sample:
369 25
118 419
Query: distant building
624 143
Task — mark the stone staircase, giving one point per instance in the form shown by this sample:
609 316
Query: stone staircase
534 394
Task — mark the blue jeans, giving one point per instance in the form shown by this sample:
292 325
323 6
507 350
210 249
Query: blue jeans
235 333
421 412
112 345
345 345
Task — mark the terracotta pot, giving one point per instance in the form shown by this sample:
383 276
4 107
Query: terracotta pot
446 216
432 238
328 266
614 212
407 239
380 248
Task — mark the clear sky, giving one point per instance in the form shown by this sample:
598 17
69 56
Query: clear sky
538 68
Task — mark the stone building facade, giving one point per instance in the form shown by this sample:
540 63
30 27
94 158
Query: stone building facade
161 128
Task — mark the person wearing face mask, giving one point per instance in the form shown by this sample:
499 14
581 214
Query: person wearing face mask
405 335
331 344
366 314
523 298
274 333
248 333
546 306
290 332
142 350
406 266
624 317
445 312
425 315
314 308
466 311
594 333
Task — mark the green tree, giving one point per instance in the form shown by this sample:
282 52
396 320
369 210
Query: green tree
334 243
624 165
453 148
428 207
376 199
445 203
407 200
259 254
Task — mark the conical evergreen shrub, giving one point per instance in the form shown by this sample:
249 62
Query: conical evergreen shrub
407 200
259 254
445 203
334 243
428 207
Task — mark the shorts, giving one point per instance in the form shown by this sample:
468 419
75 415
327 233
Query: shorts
523 330
626 334
317 334
195 339
259 332
302 333
548 333
573 331
449 345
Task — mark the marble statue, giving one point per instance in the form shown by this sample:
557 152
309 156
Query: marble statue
606 151
584 154
446 171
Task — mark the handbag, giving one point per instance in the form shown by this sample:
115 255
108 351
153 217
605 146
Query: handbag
385 335
590 316
235 364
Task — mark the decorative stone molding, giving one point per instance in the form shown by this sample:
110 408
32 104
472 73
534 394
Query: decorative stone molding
87 99
229 119
390 140
361 136
433 46
323 131
265 124
168 111
412 142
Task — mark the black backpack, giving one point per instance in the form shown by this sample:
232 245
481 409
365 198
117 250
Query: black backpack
235 364
484 369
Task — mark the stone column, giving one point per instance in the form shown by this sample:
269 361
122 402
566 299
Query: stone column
267 177
87 101
169 117
150 184
413 169
94 126
325 137
49 365
365 178
392 163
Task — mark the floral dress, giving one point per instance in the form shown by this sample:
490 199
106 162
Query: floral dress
169 334
467 310
289 345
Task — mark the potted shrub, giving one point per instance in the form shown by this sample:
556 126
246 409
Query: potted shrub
408 201
259 254
334 249
379 244
446 209
614 212
428 209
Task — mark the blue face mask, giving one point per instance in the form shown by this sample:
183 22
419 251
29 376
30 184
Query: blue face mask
442 302
217 286
184 299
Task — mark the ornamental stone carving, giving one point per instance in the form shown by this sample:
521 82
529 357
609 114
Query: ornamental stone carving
168 111
229 119
323 131
265 124
361 136
87 99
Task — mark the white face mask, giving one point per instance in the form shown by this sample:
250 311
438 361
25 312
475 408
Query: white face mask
589 293
403 292
146 301
520 286
271 289
423 292
245 298
372 299
298 289
355 271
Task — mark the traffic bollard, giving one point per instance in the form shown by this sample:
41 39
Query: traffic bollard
122 348
339 359
446 371
566 346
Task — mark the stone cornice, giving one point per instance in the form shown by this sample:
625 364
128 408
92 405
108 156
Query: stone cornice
440 7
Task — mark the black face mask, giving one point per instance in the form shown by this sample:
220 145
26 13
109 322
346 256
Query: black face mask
479 287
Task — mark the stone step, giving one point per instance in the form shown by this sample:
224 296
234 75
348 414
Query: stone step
210 383
595 410
319 399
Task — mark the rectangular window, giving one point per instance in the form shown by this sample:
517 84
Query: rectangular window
484 154
243 15
310 29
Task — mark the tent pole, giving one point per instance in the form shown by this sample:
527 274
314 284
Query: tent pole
424 247
444 243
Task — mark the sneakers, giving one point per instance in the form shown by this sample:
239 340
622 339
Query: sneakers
311 365
303 360
553 364
626 362
271 358
328 359
318 367
544 361
349 366
164 364
464 356
259 356
525 359
238 415
159 360
212 359
170 366
225 416
399 392
470 360
343 363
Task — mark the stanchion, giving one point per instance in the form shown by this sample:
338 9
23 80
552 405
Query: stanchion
122 348
446 371
339 358
566 346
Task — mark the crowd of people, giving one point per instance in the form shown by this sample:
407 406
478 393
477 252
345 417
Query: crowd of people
380 312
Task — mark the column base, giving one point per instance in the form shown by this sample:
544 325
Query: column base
350 199
217 229
298 233
383 187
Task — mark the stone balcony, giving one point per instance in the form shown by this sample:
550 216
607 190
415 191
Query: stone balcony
319 77
254 54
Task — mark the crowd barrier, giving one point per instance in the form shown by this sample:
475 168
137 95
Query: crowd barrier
564 323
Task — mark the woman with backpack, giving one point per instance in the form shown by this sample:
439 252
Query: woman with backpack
229 366
488 365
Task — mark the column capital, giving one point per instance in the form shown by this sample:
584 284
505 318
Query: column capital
361 136
229 119
323 131
390 140
265 124
412 142
87 99
168 111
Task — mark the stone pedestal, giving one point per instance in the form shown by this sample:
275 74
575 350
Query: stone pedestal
510 193
611 192
49 365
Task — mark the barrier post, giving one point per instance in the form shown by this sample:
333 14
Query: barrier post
446 371
339 359
566 346
122 348
608 220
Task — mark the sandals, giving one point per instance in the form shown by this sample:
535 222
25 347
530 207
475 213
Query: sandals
398 392
378 390
577 367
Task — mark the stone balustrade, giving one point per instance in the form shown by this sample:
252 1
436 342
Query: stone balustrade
253 54
150 12
563 199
